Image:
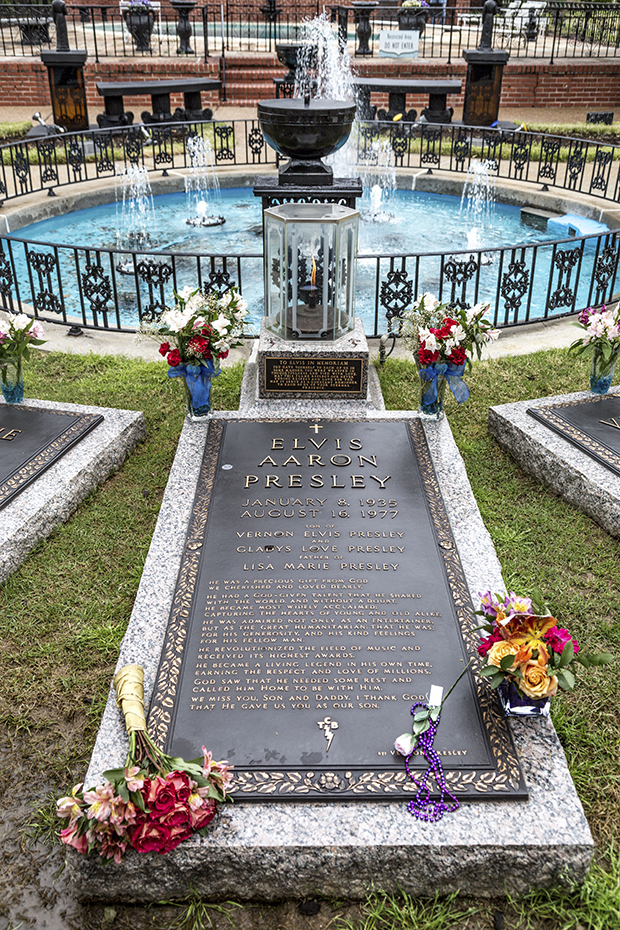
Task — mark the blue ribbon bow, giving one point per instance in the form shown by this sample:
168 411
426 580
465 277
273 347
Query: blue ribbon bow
198 380
453 375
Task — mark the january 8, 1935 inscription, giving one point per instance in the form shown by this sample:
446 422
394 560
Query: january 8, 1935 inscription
320 595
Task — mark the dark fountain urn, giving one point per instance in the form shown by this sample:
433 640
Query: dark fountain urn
289 55
305 131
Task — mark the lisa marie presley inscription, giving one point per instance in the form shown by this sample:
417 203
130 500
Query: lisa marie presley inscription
307 622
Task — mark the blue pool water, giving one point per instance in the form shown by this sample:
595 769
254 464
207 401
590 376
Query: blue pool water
411 222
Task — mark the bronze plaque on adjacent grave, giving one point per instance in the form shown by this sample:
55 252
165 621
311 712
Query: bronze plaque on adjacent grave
331 375
320 595
32 439
591 423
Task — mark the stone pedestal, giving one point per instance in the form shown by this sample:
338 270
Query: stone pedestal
483 86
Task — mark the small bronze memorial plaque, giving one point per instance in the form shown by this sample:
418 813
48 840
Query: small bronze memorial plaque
32 439
320 595
591 423
314 375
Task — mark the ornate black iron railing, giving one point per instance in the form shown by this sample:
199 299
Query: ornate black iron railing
550 31
116 289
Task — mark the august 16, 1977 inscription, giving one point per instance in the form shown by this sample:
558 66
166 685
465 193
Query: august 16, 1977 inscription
320 595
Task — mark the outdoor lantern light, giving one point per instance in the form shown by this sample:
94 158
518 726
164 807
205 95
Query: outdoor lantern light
310 265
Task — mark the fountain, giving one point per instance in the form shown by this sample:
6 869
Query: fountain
136 226
380 182
478 205
202 187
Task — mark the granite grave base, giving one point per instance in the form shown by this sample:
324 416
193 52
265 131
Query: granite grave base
270 851
556 462
51 499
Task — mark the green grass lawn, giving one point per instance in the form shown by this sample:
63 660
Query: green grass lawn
64 612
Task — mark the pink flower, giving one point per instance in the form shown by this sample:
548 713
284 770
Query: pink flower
177 835
181 814
490 640
134 780
181 783
204 815
70 836
165 796
558 638
99 801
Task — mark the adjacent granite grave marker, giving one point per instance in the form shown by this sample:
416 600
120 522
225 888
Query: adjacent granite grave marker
590 423
320 595
32 439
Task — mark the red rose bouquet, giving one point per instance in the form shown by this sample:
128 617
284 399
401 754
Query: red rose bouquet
154 802
444 340
198 332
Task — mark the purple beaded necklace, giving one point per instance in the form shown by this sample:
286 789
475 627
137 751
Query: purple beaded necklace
422 806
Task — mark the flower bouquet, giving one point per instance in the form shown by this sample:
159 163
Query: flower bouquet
17 334
602 339
528 656
198 333
443 342
154 802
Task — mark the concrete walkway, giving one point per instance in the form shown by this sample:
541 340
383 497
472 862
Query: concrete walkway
519 340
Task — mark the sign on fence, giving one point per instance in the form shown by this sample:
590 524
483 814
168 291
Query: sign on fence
393 44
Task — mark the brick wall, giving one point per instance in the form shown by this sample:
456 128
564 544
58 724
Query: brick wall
23 82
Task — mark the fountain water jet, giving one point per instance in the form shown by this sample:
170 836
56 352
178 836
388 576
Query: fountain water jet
136 226
325 65
379 178
202 187
478 205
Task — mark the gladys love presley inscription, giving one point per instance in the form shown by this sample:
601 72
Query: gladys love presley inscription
320 595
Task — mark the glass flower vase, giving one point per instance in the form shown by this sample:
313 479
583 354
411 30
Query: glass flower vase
602 370
12 380
193 412
520 705
432 395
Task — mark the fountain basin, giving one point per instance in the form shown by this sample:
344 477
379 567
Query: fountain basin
306 132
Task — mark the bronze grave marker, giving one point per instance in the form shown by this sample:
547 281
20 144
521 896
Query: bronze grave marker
591 423
320 595
32 439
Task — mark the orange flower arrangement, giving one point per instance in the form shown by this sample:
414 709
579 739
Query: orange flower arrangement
525 645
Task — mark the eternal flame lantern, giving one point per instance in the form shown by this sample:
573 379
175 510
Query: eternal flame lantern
310 266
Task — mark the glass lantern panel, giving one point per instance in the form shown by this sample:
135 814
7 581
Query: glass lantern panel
310 255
